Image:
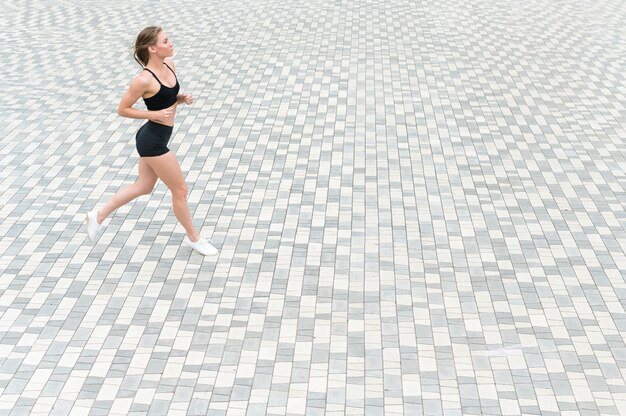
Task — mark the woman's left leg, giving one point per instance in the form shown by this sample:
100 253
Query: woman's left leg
144 185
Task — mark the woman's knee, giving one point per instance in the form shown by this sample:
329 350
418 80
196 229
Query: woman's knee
180 190
145 188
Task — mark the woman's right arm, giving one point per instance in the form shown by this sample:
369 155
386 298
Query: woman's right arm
138 86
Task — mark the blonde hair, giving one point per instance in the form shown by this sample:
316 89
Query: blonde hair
147 37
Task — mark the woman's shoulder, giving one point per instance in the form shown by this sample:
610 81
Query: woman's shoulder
143 76
142 80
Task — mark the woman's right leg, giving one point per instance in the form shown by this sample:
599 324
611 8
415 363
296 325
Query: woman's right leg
166 167
143 186
168 170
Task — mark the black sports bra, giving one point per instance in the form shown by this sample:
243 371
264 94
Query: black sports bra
165 97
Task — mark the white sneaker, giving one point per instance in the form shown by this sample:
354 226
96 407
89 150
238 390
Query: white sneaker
93 228
202 246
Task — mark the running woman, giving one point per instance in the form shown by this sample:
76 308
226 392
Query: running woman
158 85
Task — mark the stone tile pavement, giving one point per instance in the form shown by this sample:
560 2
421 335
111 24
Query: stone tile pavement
420 207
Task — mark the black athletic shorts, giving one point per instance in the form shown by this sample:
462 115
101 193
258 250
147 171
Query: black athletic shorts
152 139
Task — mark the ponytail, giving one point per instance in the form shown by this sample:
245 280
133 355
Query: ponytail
146 38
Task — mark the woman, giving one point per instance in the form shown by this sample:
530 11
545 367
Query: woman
158 85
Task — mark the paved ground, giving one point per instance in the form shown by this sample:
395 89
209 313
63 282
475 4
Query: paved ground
420 208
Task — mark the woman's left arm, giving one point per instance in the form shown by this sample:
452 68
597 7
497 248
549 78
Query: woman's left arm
180 98
184 99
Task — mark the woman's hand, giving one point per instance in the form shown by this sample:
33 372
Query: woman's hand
164 116
185 98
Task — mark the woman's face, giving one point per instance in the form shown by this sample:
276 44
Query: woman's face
164 46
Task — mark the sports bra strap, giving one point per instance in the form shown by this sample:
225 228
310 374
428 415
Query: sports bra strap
169 68
155 77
